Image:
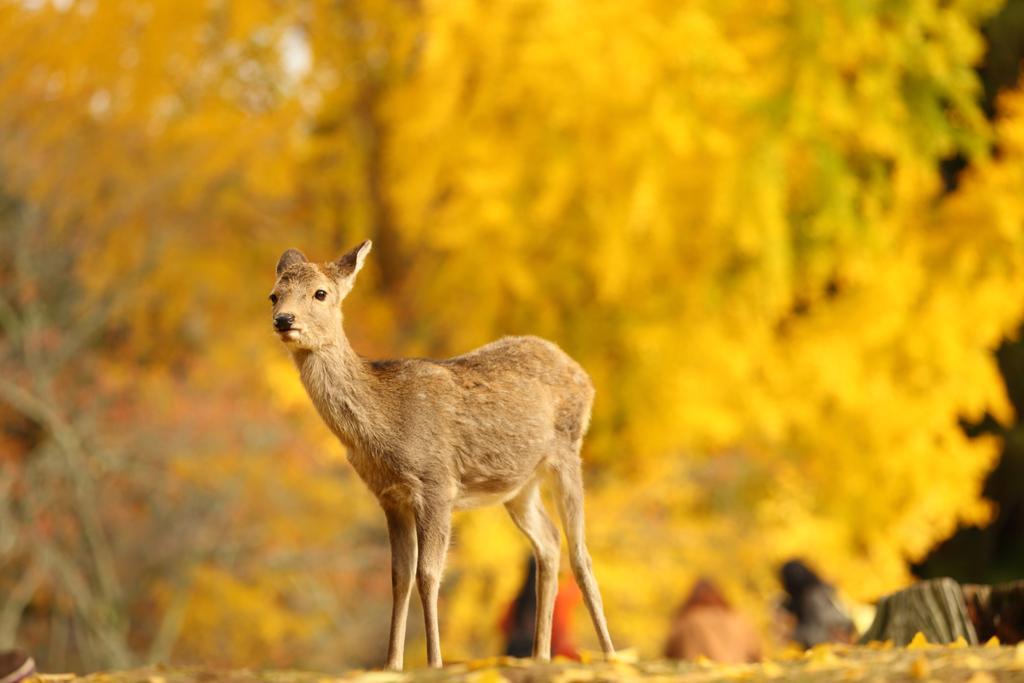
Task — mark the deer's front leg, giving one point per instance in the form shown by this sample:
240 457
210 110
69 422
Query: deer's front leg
402 533
433 528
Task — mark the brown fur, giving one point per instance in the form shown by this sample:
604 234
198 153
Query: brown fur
431 436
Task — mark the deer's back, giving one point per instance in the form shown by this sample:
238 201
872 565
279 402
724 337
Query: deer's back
524 401
524 358
495 414
523 370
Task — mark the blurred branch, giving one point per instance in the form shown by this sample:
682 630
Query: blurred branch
170 627
97 319
97 616
16 601
8 525
86 496
23 228
9 319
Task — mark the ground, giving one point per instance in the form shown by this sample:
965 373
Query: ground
876 663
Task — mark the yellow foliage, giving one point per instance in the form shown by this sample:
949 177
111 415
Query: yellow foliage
221 603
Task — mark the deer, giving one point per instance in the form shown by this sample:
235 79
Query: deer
429 437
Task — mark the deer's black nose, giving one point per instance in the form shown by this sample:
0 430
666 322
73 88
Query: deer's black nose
284 321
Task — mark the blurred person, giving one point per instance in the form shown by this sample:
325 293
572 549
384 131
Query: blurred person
707 625
997 611
15 665
816 615
517 624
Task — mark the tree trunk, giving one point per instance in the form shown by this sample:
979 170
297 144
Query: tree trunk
936 608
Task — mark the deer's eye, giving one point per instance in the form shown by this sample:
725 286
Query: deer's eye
273 298
320 295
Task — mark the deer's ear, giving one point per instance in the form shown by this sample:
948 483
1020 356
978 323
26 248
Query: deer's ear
351 263
289 258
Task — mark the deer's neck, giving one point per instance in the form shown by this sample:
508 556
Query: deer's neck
344 391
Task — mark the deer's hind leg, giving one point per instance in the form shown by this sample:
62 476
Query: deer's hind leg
569 484
527 511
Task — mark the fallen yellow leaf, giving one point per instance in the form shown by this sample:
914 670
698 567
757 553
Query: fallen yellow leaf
483 663
919 668
487 676
854 673
820 656
918 641
992 642
517 662
624 670
628 655
973 662
380 677
819 651
790 652
982 677
573 676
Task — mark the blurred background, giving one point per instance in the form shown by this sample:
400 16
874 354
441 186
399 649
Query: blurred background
786 239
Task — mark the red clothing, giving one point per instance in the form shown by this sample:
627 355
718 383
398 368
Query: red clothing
561 625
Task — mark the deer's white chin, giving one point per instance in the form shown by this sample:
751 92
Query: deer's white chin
289 336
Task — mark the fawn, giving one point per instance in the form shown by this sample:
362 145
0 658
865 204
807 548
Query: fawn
431 436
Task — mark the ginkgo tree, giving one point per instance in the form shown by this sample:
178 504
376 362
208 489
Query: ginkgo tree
734 215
